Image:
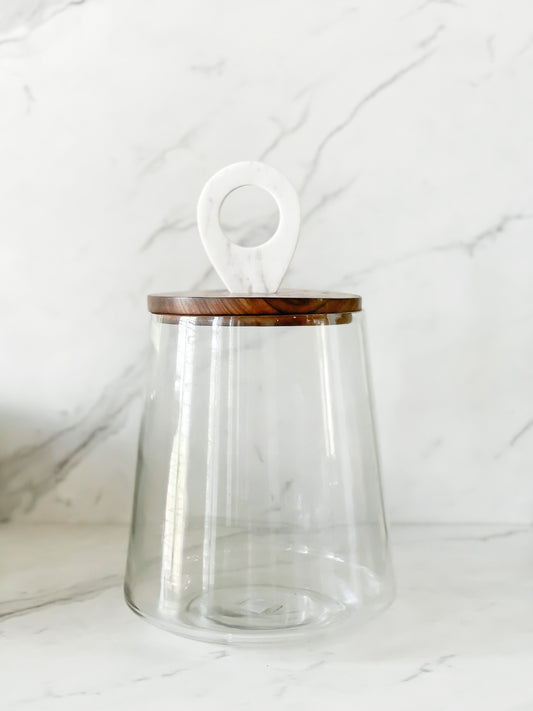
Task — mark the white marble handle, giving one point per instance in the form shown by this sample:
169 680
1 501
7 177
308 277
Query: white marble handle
249 269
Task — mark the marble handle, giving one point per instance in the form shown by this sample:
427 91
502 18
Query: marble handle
251 270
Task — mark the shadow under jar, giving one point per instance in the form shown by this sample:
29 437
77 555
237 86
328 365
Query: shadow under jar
258 511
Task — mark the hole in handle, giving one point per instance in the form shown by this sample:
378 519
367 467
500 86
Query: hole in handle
249 216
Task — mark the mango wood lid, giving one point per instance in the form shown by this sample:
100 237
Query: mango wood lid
224 303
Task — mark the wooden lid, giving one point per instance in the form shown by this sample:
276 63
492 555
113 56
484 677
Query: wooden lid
224 303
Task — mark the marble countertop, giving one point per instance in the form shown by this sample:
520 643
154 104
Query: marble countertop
459 636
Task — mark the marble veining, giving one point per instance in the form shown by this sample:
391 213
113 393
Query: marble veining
28 473
16 608
406 128
468 246
19 17
340 127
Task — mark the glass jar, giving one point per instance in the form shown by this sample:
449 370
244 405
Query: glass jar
258 511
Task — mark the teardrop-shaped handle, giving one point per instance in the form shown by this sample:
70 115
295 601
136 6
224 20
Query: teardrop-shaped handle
249 269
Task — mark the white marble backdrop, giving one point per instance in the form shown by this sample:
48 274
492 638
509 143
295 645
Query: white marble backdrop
407 127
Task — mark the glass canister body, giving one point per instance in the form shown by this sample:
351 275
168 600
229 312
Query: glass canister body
258 509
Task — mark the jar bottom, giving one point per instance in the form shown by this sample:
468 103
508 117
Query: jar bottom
260 608
260 588
261 613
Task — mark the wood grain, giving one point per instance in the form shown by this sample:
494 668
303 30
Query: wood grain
222 303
